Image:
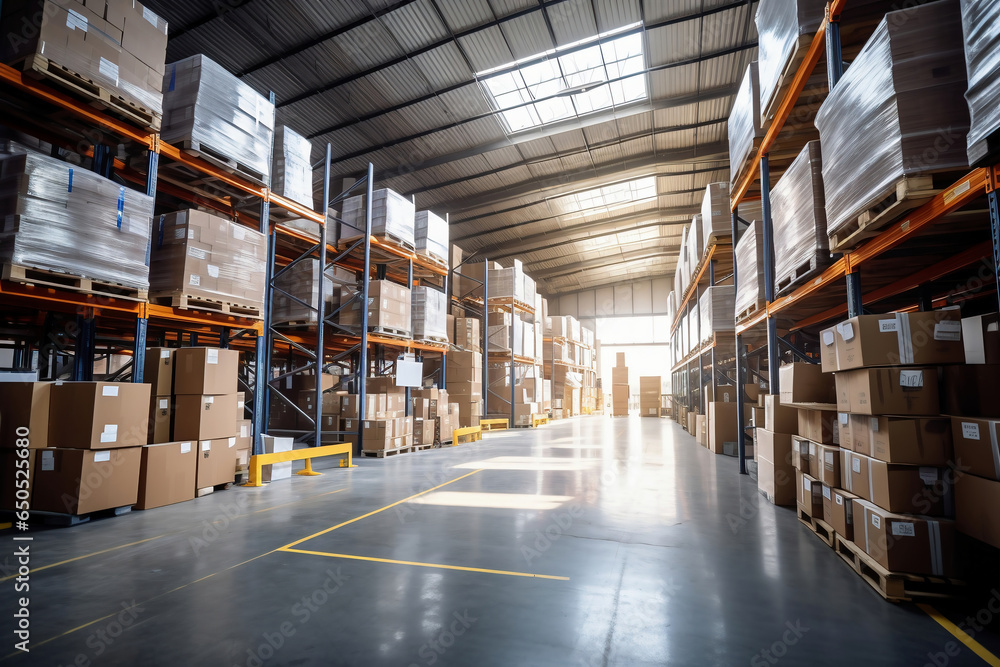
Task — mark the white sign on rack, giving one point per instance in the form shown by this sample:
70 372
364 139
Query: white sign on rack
409 372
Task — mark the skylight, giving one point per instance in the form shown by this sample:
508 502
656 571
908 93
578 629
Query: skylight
611 197
568 82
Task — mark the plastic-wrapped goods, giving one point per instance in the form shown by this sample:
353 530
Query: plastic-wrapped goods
716 219
750 269
201 255
898 111
388 308
694 325
123 53
429 313
529 340
981 26
507 283
750 210
393 215
210 110
695 250
744 123
716 308
783 27
57 217
291 167
303 282
529 289
683 268
431 235
798 214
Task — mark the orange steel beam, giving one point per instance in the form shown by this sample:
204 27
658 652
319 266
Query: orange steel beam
203 318
691 288
63 300
296 208
210 169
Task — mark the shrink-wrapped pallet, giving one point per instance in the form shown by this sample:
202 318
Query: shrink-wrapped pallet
292 166
898 111
695 250
208 109
744 123
716 220
783 27
430 235
981 27
798 215
716 308
393 215
389 308
508 283
303 282
58 217
750 270
429 313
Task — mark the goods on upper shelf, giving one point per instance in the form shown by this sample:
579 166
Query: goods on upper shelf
784 28
744 123
291 167
431 235
750 270
393 216
798 214
429 313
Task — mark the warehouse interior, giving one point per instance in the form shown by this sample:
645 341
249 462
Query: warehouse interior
601 332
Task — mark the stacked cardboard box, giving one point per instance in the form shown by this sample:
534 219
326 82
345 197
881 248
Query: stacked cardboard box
527 393
465 386
620 387
467 334
429 310
774 443
431 235
650 388
434 404
389 307
292 166
301 284
203 255
393 216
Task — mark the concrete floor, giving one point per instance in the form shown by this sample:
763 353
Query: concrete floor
591 541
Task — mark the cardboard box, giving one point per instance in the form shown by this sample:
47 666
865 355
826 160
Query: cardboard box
423 431
828 350
24 405
805 383
897 487
981 336
273 444
467 334
801 454
98 415
216 462
779 418
970 391
827 458
244 437
976 445
889 391
80 481
976 500
465 390
723 429
167 474
619 375
12 461
818 425
620 359
808 495
158 370
205 371
838 511
910 544
205 417
923 441
701 430
775 474
161 414
922 338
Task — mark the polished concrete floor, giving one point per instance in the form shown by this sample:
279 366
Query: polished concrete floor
592 541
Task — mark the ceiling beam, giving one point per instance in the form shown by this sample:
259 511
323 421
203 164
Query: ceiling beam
604 230
220 10
577 260
599 262
598 283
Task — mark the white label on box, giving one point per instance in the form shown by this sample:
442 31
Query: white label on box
948 330
195 280
806 485
828 458
970 430
843 417
108 437
109 390
846 330
48 460
912 379
197 253
903 529
244 431
874 424
827 338
239 233
929 475
164 403
190 234
213 271
212 356
111 428
856 465
232 442
877 521
206 445
149 16
826 492
839 499
887 326
209 400
109 70
75 20
100 457
164 354
185 447
179 233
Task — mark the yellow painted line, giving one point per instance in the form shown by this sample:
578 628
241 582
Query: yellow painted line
962 636
96 553
365 516
434 565
5 526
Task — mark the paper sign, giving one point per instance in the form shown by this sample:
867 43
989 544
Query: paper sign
970 430
100 457
911 379
887 326
877 521
48 460
212 356
903 529
185 447
109 390
164 354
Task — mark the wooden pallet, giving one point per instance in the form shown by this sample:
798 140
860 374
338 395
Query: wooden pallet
382 453
431 259
31 276
749 312
785 79
62 519
907 194
434 340
189 302
896 586
212 489
41 68
390 332
383 239
822 529
420 448
803 272
222 161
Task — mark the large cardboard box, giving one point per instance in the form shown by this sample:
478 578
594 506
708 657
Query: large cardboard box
805 383
723 429
24 406
216 462
619 375
779 418
98 415
809 495
976 500
828 350
619 401
970 391
465 390
911 544
775 474
924 441
819 426
889 391
423 431
161 412
977 445
167 474
897 487
827 465
80 481
158 370
838 511
981 335
467 334
205 417
923 338
205 371
801 453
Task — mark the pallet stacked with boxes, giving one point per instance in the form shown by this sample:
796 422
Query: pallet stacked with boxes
650 388
465 386
619 387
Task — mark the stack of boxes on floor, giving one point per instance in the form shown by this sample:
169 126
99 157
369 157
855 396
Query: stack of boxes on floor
436 415
570 362
619 387
723 430
465 386
649 395
385 425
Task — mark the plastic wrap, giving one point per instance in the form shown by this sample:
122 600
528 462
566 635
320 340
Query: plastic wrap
58 217
78 39
431 235
897 111
212 111
389 308
716 308
292 166
716 219
744 122
507 283
202 255
429 312
780 24
694 325
750 210
529 289
750 268
798 214
981 26
695 250
302 281
392 215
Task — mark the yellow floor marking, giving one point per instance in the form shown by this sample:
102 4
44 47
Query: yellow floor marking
434 565
96 553
365 516
5 526
961 635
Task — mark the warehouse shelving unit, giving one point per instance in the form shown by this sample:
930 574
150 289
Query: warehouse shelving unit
954 235
589 372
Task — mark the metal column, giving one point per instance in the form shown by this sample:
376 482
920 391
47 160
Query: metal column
362 370
854 303
773 352
321 305
513 374
995 225
741 446
83 352
485 332
409 286
142 322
